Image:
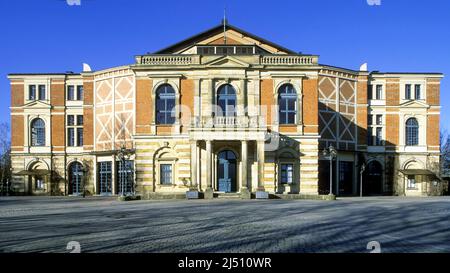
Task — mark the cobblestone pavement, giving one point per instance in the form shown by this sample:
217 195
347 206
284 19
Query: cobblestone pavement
47 224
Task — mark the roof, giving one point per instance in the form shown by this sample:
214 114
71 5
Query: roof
212 31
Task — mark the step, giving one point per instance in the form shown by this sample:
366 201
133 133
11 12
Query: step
229 195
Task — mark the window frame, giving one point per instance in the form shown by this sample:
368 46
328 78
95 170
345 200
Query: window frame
165 97
412 132
35 136
287 97
163 175
287 171
72 129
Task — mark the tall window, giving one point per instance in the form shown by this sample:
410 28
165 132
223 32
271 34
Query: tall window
287 103
37 132
79 92
70 92
287 173
379 92
75 177
417 93
105 177
408 91
125 176
41 93
378 136
75 130
412 132
369 92
166 174
369 136
226 100
165 104
32 92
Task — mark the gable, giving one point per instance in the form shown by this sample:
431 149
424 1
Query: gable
234 36
37 105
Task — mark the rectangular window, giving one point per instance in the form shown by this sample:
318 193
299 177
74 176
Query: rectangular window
70 120
105 177
379 119
41 92
417 93
225 50
70 137
408 91
369 92
80 120
379 92
70 92
79 92
411 182
379 136
79 137
166 174
287 173
32 92
125 176
369 119
369 136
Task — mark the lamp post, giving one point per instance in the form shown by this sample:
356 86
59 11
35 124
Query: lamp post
331 153
363 168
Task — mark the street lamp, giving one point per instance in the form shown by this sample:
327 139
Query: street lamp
331 153
363 168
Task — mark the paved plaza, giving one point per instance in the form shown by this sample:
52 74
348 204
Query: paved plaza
47 224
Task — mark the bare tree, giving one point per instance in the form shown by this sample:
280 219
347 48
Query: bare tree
445 152
5 156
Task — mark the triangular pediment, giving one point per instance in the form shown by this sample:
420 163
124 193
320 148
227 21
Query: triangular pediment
37 105
414 104
231 35
226 61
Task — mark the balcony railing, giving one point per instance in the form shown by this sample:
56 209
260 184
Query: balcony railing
179 59
183 60
288 60
228 122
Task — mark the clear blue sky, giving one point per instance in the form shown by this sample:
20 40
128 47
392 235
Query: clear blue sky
51 36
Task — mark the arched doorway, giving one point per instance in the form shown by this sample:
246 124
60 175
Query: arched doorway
373 179
75 178
38 179
226 171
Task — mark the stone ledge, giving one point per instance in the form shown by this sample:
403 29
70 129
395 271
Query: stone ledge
163 195
303 196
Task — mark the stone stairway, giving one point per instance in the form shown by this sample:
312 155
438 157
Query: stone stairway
228 195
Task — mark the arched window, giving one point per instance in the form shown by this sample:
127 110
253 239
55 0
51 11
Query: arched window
75 178
287 104
37 132
226 100
165 104
412 132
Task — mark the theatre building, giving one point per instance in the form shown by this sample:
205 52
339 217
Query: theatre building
225 112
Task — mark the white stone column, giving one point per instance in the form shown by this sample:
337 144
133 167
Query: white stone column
245 192
194 167
261 159
244 152
209 193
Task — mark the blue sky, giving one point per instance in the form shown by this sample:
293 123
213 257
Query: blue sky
52 36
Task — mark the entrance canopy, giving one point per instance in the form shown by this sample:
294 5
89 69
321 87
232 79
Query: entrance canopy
419 172
34 172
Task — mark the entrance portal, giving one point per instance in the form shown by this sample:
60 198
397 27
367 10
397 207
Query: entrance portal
226 171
